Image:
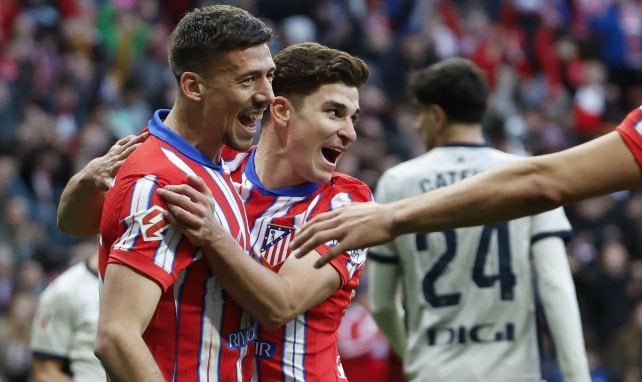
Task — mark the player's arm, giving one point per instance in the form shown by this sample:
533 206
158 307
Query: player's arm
383 299
559 301
49 370
82 199
271 298
128 301
525 187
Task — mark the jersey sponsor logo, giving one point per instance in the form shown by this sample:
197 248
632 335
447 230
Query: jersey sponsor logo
479 334
264 349
241 338
152 224
276 244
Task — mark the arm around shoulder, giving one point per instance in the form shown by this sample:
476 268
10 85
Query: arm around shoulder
80 206
81 202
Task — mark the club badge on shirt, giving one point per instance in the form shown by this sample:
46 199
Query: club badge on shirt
276 243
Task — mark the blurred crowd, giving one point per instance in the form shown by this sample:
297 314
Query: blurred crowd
75 75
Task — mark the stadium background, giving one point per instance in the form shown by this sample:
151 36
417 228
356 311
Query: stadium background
75 75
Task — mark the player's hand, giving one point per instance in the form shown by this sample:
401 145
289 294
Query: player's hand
355 226
101 171
191 210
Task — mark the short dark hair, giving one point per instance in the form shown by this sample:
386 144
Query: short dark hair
456 84
205 32
303 68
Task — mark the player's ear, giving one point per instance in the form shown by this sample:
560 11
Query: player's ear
440 115
280 109
192 85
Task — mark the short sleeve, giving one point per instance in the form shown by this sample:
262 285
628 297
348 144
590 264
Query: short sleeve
551 223
52 328
630 129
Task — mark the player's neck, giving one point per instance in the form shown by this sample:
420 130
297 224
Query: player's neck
184 123
462 133
273 167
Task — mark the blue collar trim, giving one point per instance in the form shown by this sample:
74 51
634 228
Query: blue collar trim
158 129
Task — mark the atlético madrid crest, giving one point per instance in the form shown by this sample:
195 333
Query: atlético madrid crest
276 243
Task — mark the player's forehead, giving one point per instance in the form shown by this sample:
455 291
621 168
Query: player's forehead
336 94
256 60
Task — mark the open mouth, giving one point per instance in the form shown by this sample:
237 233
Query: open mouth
331 154
251 119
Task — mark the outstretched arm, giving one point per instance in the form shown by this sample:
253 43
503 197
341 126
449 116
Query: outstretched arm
273 299
525 187
82 199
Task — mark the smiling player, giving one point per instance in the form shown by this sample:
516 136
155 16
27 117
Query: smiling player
288 178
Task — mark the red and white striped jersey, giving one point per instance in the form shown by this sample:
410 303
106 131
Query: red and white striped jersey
304 349
631 131
197 332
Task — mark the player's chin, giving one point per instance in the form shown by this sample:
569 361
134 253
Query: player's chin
240 143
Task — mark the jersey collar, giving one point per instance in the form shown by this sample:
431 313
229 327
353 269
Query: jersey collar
464 144
158 129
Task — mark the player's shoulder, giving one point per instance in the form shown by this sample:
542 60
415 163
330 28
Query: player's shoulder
344 186
148 155
404 170
412 166
152 160
73 272
347 181
69 282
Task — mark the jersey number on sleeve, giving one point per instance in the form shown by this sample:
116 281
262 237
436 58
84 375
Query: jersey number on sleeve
505 277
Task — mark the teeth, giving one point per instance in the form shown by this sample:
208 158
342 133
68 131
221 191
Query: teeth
255 116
